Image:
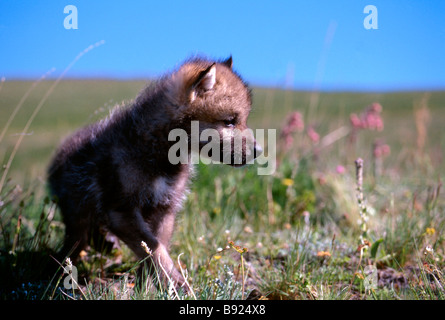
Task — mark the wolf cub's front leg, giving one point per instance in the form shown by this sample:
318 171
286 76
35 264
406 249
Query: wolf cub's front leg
133 229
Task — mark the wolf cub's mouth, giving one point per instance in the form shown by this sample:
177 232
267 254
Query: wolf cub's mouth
240 160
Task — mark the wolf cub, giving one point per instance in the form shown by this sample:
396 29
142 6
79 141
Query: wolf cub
115 176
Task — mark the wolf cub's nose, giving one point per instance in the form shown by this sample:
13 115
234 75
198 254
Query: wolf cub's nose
258 150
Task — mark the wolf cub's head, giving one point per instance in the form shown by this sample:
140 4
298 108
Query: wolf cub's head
213 104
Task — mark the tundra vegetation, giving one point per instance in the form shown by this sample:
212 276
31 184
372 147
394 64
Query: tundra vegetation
354 210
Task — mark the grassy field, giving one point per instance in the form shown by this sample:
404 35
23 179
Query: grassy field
312 230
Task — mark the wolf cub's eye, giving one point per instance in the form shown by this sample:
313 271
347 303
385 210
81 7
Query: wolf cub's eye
230 122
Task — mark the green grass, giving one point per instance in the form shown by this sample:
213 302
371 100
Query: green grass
300 225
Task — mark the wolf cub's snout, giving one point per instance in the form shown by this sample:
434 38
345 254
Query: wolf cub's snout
115 176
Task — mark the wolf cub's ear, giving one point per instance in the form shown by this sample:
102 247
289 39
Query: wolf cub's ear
206 79
228 63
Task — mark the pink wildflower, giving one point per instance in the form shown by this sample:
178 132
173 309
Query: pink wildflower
369 119
340 169
294 124
355 121
313 135
381 149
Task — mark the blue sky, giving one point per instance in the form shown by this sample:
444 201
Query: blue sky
299 44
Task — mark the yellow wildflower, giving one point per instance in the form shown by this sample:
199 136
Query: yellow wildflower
323 254
430 231
287 182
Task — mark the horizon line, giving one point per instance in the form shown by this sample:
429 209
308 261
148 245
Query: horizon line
252 84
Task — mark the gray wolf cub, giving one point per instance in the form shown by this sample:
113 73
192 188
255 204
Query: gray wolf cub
114 176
